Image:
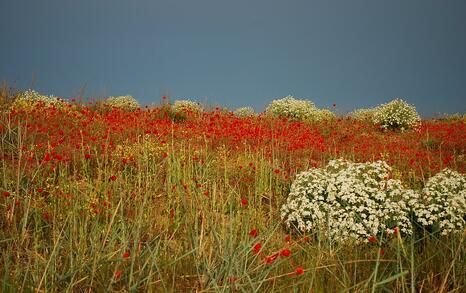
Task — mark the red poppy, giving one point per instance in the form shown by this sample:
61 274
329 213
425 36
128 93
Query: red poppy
287 238
232 279
271 259
253 233
285 252
47 157
256 248
372 239
117 275
299 271
45 216
6 194
126 254
244 201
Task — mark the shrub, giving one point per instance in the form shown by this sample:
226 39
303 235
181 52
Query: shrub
186 106
365 115
294 109
127 103
323 115
244 112
30 99
443 205
396 114
453 117
347 200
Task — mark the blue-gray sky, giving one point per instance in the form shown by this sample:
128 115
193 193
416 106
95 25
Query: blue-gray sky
243 52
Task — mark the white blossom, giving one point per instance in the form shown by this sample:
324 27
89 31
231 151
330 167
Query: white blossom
443 202
346 200
181 106
123 102
396 114
292 108
244 112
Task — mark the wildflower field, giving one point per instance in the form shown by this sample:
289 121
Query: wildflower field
109 196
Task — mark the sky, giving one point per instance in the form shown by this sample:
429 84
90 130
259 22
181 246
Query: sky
357 53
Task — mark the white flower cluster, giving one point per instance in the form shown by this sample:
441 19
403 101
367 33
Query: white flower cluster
31 99
244 112
396 114
324 115
292 108
453 117
183 106
123 102
366 115
443 202
347 200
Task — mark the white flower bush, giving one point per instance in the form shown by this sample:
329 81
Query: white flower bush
324 115
183 106
443 202
294 109
123 102
30 99
396 114
244 112
453 117
365 115
347 200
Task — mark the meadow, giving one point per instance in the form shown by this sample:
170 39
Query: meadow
102 199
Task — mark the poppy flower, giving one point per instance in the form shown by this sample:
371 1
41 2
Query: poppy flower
117 275
47 157
287 238
285 252
299 271
6 194
244 201
372 239
256 248
45 216
253 233
271 259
